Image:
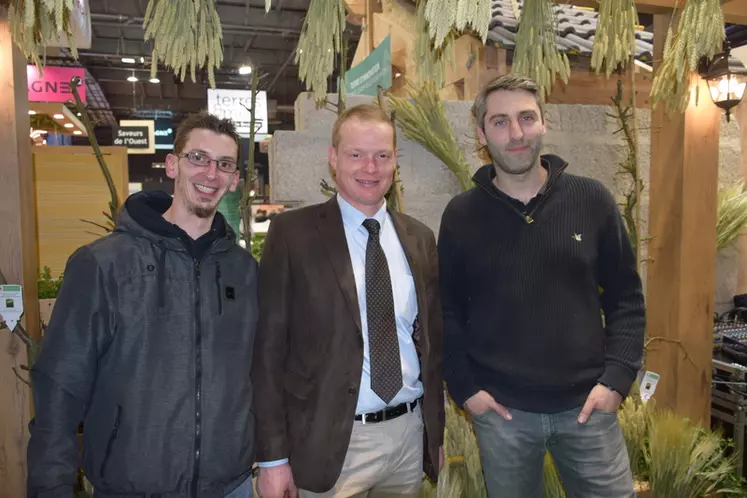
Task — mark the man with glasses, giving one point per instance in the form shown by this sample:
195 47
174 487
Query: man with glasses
150 343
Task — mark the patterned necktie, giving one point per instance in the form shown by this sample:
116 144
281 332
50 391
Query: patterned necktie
386 367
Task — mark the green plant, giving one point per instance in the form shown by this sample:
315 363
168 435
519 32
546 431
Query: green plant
624 114
258 245
732 214
48 286
684 459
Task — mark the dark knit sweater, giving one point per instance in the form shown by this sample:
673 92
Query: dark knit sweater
520 289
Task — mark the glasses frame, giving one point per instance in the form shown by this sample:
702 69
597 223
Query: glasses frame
217 162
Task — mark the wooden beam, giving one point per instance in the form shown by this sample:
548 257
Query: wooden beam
735 11
682 250
17 258
589 89
740 115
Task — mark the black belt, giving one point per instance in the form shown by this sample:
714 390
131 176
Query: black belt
387 413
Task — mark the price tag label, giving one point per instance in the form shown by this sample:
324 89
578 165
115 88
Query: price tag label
648 385
11 304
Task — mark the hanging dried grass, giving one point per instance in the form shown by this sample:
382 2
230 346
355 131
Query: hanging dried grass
732 214
186 34
34 24
422 118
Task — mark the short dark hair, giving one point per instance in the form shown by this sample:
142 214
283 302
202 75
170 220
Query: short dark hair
510 82
363 112
203 120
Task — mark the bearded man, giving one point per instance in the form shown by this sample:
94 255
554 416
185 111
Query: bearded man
537 355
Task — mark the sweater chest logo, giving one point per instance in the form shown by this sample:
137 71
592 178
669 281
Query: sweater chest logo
577 237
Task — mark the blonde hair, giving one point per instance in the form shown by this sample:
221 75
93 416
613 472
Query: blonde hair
363 112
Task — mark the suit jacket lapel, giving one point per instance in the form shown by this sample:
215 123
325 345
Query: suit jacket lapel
410 245
333 234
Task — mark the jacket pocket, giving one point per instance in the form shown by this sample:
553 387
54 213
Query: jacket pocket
110 443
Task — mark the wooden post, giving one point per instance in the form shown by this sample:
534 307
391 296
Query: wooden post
740 115
17 258
682 250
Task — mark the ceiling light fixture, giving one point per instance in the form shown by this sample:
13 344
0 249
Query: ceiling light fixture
245 70
69 125
58 116
128 60
154 80
132 78
77 132
31 113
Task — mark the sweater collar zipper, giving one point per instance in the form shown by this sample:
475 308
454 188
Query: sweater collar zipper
528 218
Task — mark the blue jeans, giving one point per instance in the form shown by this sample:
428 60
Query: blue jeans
243 491
591 458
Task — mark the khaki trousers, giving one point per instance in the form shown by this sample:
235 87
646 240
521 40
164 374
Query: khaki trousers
384 460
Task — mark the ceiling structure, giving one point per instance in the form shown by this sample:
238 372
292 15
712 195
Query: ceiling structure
269 41
249 35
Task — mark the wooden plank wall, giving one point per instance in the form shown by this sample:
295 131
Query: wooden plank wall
17 259
69 188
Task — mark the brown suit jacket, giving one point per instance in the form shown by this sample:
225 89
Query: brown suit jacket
309 345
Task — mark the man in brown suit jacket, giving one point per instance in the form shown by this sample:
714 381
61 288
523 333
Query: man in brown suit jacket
348 356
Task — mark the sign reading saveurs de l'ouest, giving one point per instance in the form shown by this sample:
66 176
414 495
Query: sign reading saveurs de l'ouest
137 135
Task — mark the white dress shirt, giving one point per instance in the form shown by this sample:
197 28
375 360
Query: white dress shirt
405 303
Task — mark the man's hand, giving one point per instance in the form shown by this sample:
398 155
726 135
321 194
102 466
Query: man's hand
482 402
600 398
276 482
440 458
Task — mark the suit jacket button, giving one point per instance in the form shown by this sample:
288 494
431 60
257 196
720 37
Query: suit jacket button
351 390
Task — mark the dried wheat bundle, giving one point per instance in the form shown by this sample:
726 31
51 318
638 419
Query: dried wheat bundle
186 35
319 44
36 23
700 33
536 55
614 40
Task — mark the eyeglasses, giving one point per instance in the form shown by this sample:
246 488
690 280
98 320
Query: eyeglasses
203 160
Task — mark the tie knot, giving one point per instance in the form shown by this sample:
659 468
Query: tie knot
372 226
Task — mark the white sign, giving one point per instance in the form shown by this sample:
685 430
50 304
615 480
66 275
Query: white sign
11 304
648 385
235 105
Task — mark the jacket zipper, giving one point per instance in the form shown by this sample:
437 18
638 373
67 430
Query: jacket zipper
217 284
110 444
198 383
528 218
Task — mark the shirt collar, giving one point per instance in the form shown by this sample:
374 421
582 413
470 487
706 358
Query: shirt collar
353 218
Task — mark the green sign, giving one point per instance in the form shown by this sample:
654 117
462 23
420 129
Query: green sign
374 71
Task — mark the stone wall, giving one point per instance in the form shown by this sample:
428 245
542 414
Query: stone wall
583 135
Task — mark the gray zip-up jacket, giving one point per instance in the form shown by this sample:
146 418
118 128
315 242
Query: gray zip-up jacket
149 347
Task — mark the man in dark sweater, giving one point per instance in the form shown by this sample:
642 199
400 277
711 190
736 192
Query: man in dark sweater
543 308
